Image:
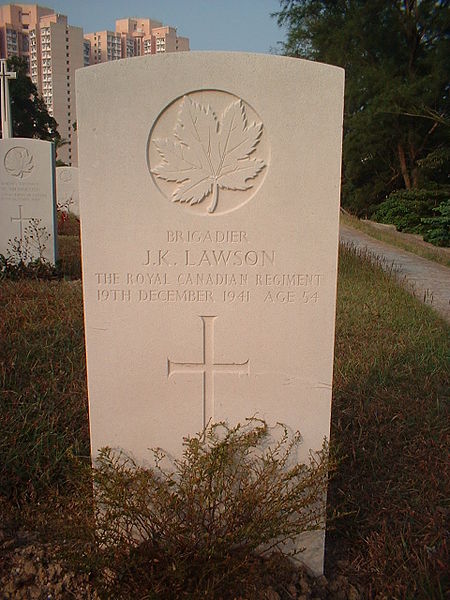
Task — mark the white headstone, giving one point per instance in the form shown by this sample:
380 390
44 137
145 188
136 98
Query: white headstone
67 197
27 206
210 286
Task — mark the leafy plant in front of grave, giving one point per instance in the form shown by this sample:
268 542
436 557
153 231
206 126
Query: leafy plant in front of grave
207 153
25 255
31 245
206 526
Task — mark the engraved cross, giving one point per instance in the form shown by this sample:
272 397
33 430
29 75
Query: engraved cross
207 368
21 220
5 104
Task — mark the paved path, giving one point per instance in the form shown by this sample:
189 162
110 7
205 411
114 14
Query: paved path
429 280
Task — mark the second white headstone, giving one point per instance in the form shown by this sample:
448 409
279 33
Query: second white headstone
67 196
27 207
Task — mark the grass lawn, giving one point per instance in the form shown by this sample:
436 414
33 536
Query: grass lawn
390 426
389 422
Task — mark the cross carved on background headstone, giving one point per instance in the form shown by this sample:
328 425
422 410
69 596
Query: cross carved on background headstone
20 219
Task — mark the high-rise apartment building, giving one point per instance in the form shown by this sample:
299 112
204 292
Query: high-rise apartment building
104 46
86 52
166 40
56 51
16 22
53 50
137 36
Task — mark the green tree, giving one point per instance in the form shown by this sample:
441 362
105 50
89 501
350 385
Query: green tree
396 57
29 112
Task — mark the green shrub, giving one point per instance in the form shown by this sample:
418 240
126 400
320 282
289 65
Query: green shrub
438 227
198 529
406 208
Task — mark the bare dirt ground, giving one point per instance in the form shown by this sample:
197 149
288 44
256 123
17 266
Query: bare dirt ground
30 570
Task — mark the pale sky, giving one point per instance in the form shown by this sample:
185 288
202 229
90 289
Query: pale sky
240 25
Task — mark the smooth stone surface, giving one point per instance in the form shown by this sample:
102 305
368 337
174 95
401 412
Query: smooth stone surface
67 195
27 190
209 246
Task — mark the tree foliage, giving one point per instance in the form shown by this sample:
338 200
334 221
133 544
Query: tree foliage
396 57
29 113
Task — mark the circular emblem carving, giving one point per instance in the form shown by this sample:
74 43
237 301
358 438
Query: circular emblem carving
208 152
19 162
65 175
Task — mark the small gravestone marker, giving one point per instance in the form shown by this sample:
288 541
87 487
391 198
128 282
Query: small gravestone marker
67 197
27 207
210 286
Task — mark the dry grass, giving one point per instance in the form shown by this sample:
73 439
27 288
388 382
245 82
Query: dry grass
43 416
68 224
405 241
69 256
69 245
390 424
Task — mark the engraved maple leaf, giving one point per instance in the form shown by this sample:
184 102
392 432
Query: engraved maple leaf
206 153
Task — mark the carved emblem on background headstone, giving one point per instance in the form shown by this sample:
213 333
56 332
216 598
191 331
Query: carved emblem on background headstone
65 175
19 162
208 149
